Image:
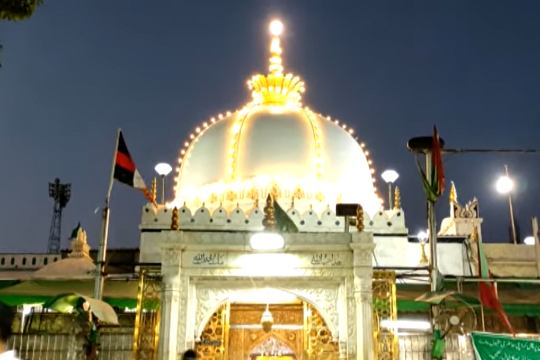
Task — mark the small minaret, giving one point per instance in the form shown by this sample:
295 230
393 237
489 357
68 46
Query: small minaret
79 244
452 198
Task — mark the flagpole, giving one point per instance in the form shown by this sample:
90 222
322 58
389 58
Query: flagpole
432 226
100 264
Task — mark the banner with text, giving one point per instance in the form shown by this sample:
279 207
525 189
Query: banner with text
502 347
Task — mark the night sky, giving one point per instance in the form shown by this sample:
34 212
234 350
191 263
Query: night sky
77 70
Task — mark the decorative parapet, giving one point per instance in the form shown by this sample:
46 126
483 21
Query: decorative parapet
241 219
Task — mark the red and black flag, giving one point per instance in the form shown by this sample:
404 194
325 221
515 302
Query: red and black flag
434 181
125 170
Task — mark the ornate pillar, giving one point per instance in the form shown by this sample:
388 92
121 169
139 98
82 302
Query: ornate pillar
184 340
171 263
362 246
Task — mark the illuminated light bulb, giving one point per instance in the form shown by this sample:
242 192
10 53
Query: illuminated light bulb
276 27
370 162
328 118
205 124
351 131
372 171
186 144
236 128
362 145
179 161
336 122
213 120
191 136
220 116
182 151
366 153
344 126
228 113
198 130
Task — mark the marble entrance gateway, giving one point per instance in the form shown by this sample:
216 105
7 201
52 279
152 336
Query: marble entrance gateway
215 291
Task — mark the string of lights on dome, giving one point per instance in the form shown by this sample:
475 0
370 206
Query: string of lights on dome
274 89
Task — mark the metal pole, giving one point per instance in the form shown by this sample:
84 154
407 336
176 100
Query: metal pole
432 226
511 207
163 189
389 196
100 265
102 253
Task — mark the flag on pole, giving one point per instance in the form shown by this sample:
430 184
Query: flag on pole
487 293
434 185
125 170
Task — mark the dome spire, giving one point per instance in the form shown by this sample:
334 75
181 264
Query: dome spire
276 88
276 66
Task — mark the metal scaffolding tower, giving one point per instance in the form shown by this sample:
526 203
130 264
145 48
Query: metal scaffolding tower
61 194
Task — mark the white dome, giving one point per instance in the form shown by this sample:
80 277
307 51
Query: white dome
288 152
274 145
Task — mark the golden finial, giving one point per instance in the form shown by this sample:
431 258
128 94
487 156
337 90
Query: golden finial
154 190
269 220
230 195
452 195
213 198
174 219
275 191
397 199
359 218
298 193
276 88
253 193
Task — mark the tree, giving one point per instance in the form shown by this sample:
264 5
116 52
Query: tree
17 9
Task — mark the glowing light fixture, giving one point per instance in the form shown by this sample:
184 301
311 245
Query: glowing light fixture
276 27
267 320
163 169
389 176
422 236
266 241
504 185
529 240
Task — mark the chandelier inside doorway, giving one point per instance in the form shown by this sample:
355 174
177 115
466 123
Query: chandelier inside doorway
267 320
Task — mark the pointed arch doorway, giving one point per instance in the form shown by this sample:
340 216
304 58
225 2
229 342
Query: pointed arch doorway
234 332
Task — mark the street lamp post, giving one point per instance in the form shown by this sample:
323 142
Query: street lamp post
389 176
505 185
163 169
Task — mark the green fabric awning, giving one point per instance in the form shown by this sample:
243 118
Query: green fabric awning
14 300
511 309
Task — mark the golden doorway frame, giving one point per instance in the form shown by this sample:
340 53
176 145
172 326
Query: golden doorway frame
315 337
